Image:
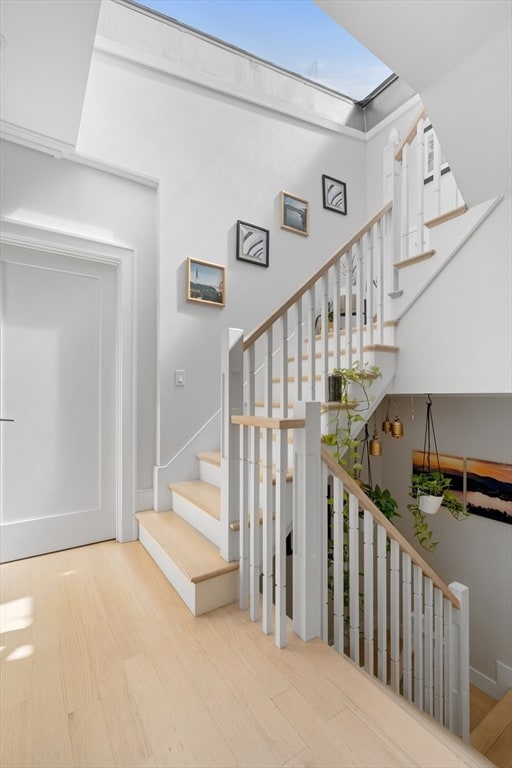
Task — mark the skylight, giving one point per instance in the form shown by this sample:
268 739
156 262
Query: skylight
293 34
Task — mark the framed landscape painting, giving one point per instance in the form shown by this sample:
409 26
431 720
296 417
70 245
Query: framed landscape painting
206 282
489 489
294 214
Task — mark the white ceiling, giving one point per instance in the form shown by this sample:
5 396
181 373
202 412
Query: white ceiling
457 55
45 58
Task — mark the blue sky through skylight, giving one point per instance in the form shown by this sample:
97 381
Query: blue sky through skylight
294 34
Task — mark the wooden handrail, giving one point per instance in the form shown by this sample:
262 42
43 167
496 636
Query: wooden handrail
261 329
268 422
350 485
410 134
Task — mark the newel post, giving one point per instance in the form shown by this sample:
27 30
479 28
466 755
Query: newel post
232 368
392 235
459 663
307 523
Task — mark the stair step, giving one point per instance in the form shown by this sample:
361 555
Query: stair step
191 563
492 737
211 457
210 467
414 260
203 495
437 220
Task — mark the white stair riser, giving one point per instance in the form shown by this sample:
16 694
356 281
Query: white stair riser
209 473
197 518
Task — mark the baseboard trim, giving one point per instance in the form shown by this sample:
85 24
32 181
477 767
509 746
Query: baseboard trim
495 688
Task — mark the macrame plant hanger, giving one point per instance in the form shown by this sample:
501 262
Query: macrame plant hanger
430 434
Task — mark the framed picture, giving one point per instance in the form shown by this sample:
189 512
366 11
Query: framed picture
206 282
334 194
252 243
489 489
294 214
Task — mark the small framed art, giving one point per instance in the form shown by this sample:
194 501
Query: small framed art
334 194
252 243
206 282
294 214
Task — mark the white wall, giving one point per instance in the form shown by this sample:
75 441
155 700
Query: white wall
476 551
41 190
457 338
219 158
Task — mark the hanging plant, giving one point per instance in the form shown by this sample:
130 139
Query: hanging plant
430 489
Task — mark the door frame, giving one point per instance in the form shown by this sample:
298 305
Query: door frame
56 241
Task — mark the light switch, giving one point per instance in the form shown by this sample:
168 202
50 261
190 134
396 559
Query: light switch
180 378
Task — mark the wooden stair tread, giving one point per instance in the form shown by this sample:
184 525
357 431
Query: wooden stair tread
445 217
192 552
212 457
414 259
203 495
496 725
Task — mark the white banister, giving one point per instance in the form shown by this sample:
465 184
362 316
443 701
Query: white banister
307 524
353 572
407 626
428 662
232 365
438 656
280 538
394 616
418 635
459 663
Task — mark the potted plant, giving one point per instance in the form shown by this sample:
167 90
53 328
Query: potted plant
383 500
430 491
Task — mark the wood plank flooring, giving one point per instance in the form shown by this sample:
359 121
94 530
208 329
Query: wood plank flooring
103 665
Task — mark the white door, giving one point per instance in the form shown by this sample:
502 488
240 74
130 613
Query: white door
58 383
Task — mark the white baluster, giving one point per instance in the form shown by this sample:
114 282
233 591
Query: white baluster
394 617
244 517
368 592
420 186
370 287
338 567
382 609
324 335
353 554
447 625
281 517
428 681
418 636
312 345
404 205
299 342
438 655
437 176
284 367
407 625
267 530
324 502
336 292
359 299
254 527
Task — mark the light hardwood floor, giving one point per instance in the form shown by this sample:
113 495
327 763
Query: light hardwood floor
103 665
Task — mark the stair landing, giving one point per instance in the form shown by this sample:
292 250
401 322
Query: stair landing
492 737
191 563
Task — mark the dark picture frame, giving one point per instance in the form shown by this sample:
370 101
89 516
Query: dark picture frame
294 214
334 194
252 243
206 282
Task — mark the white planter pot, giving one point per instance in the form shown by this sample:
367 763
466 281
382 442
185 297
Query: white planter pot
429 505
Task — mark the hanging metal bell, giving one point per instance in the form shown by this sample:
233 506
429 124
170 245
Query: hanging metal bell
397 428
386 425
375 446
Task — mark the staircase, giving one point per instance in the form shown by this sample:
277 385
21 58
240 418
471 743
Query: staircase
182 540
492 737
399 619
